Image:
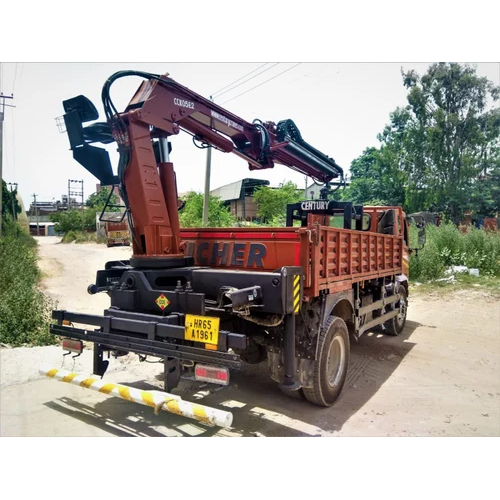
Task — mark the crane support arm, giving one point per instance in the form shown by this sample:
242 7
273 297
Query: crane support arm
160 108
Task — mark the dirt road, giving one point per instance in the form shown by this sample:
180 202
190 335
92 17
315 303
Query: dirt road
441 377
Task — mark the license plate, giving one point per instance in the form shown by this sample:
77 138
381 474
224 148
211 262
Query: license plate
115 234
202 329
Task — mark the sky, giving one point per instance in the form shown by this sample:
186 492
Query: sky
339 109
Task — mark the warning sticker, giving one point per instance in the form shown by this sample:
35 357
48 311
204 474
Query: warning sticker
162 301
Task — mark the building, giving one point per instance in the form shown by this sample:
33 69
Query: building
239 197
313 191
42 229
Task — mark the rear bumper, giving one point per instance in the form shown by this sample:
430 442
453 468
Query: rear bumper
147 335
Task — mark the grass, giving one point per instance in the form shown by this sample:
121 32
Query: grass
447 246
491 284
24 309
82 237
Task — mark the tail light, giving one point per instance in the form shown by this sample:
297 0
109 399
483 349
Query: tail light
213 374
72 345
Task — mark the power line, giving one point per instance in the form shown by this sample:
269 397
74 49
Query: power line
248 79
15 77
260 84
236 81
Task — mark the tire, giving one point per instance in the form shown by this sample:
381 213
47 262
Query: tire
396 325
293 394
330 371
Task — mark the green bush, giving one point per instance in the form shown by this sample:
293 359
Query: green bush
24 309
70 220
482 250
82 238
449 243
427 264
192 213
69 237
447 246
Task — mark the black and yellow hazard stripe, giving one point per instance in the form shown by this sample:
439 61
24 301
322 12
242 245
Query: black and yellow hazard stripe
296 293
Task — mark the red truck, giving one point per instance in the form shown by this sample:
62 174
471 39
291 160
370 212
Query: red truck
207 300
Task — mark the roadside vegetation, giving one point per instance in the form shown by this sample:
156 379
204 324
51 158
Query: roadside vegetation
489 284
82 237
80 226
24 309
447 246
437 267
192 213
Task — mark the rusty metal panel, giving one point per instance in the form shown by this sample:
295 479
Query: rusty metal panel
343 257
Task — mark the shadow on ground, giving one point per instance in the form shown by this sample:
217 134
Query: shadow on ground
258 406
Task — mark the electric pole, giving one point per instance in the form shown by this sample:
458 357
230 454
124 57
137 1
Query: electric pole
206 196
36 214
14 214
2 114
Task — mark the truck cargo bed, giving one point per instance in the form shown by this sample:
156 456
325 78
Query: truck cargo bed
332 258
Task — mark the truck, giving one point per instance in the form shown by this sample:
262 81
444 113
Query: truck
117 233
206 300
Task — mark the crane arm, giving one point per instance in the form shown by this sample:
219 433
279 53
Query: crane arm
161 107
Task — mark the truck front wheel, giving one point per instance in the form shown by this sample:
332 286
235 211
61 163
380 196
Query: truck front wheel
331 365
396 325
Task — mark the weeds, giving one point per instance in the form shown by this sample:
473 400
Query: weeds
82 237
447 246
24 309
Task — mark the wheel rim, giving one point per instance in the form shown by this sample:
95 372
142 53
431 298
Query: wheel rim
402 311
336 357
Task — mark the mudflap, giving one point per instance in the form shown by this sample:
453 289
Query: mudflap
100 364
172 373
304 368
308 323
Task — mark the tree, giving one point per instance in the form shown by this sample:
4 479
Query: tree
451 137
438 153
485 194
272 202
8 200
70 220
98 200
192 213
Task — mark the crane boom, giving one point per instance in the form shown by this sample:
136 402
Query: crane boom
160 108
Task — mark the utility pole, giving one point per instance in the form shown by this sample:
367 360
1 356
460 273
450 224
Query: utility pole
2 114
36 214
14 214
206 196
74 193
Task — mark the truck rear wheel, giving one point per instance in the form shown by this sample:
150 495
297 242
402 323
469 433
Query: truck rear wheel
298 394
396 325
331 365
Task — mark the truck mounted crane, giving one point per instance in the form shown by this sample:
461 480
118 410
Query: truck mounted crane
205 300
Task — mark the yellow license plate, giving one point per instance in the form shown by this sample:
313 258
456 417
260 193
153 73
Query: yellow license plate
115 234
202 329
